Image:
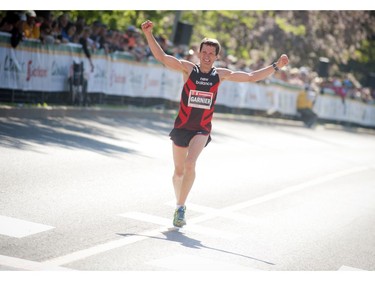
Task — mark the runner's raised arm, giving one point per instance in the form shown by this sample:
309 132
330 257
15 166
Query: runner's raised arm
160 55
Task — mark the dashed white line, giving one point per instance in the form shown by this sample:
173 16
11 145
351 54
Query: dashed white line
278 194
348 268
20 228
105 247
211 214
191 227
236 216
135 238
190 262
27 264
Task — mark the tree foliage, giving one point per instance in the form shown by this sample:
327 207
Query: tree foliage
346 38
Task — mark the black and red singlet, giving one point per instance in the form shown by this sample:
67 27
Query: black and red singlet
198 100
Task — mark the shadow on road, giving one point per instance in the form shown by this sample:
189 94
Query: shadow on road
174 235
93 134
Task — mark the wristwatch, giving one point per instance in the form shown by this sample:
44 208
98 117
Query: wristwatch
275 66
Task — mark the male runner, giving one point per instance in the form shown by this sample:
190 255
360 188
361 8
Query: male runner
192 127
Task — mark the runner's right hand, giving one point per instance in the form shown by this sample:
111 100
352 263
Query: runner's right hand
147 26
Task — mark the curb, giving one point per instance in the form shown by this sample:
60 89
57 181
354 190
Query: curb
151 113
83 112
137 112
126 112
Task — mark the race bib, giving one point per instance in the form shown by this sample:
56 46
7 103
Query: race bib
200 99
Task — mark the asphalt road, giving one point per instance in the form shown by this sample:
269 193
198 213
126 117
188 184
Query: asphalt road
92 192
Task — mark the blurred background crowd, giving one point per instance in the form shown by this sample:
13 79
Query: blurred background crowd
50 28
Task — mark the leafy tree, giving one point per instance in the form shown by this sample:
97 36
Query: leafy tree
347 38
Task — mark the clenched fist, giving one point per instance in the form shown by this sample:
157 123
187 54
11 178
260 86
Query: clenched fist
147 26
283 60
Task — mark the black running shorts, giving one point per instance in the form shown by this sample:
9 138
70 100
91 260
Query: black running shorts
182 137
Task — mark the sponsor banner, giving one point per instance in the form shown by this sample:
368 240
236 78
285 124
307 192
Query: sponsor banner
35 67
98 81
47 68
258 96
117 79
171 84
334 108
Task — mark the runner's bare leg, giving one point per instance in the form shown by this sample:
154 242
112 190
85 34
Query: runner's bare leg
179 156
185 161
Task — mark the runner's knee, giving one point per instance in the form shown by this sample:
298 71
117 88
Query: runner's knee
178 172
189 165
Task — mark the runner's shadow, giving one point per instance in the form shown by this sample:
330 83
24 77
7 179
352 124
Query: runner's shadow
175 235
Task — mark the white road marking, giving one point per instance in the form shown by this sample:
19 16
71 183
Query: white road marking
134 238
348 268
278 194
20 228
27 264
190 227
229 212
236 216
105 247
147 218
190 262
145 235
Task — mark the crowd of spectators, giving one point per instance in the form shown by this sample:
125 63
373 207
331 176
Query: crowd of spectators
62 29
345 86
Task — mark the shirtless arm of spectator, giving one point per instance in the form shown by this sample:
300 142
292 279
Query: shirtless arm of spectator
83 42
169 61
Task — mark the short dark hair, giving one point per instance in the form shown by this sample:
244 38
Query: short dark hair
211 42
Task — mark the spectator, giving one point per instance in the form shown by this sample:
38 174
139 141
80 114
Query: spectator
165 44
56 31
366 95
259 64
192 54
9 21
68 35
130 39
112 41
94 36
16 32
123 42
80 24
46 36
60 29
179 52
44 17
282 75
117 39
87 44
63 20
102 38
30 28
295 77
139 50
305 102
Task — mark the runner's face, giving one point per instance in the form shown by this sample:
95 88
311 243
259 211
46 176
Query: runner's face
207 55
